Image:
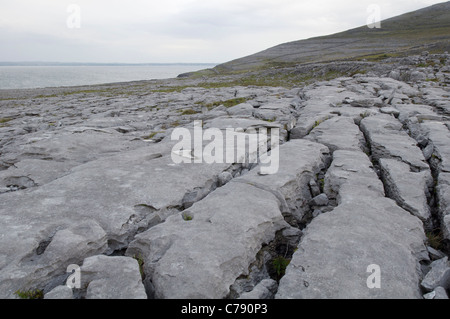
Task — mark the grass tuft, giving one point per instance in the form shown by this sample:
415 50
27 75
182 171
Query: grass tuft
30 294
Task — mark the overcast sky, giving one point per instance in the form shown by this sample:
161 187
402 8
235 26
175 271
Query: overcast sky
141 31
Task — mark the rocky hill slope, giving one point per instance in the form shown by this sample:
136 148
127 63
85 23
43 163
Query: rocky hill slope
410 33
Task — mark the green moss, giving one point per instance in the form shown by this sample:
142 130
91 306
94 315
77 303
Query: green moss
227 103
362 71
434 239
44 96
322 183
171 89
365 114
377 57
233 102
5 120
188 112
280 264
316 124
140 262
175 124
187 216
30 294
150 136
434 155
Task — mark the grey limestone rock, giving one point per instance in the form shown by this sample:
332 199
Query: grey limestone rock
320 200
88 173
338 133
112 278
60 292
439 275
388 140
398 179
338 247
264 290
201 256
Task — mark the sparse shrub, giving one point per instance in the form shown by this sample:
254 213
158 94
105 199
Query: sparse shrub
188 112
175 124
322 183
316 124
364 115
280 264
30 294
5 120
187 216
140 262
434 239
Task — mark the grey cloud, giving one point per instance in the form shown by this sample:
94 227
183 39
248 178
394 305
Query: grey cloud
143 31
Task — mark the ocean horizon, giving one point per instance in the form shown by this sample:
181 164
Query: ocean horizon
31 75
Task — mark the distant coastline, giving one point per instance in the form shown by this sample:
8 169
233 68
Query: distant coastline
28 75
39 63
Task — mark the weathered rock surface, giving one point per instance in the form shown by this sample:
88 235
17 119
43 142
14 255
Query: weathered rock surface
264 290
398 179
388 140
438 276
338 133
88 174
439 135
200 252
443 193
338 247
107 201
351 178
437 293
60 292
112 278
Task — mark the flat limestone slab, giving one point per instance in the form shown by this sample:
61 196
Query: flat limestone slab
338 247
365 229
351 178
388 140
203 250
439 135
338 133
112 278
443 193
300 161
408 189
116 195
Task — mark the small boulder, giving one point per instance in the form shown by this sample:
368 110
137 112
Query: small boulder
439 275
320 200
438 293
416 76
314 188
224 178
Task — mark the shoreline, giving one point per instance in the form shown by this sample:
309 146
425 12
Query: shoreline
156 72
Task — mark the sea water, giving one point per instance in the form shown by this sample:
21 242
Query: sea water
23 77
